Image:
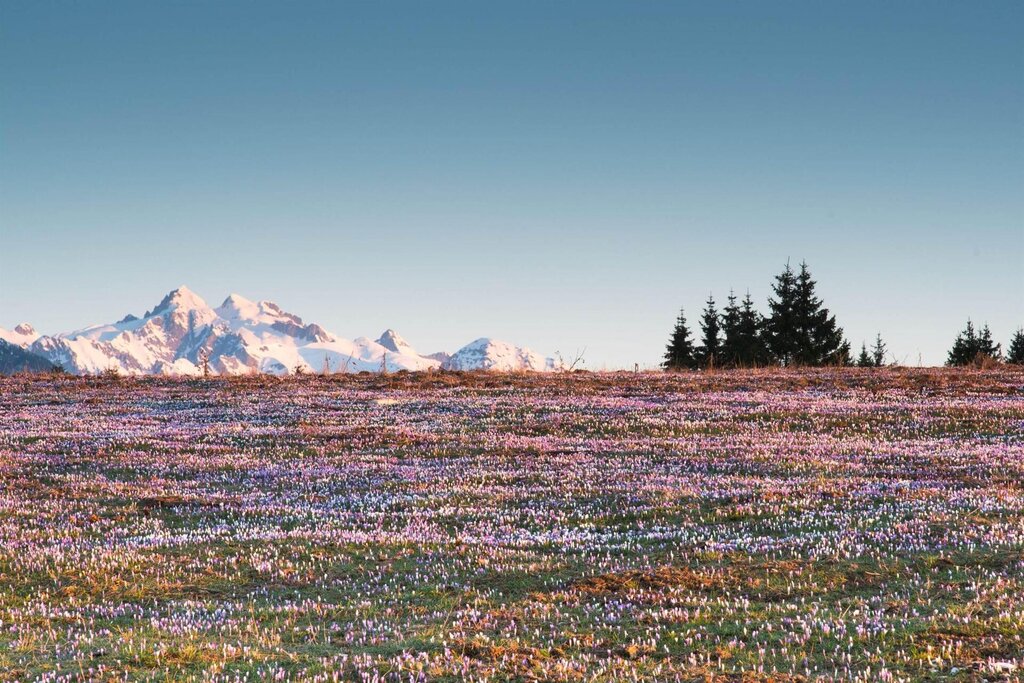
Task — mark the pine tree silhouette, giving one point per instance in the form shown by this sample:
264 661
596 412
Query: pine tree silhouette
731 348
679 352
780 327
819 339
864 360
971 346
988 348
878 351
800 330
753 347
1015 352
707 353
965 347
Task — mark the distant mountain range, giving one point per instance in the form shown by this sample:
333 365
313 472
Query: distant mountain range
183 335
14 359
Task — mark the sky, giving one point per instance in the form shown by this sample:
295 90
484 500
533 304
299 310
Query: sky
559 175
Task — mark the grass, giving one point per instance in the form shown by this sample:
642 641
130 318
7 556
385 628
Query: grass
741 526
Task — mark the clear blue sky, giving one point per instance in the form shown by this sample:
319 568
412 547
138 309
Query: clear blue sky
559 175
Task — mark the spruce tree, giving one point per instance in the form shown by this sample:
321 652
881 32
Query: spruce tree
820 339
842 354
753 346
708 352
1015 352
801 331
780 331
878 351
988 348
731 343
679 352
965 347
864 360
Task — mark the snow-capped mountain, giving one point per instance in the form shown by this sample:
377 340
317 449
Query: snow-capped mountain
491 354
183 335
22 335
14 358
166 340
393 342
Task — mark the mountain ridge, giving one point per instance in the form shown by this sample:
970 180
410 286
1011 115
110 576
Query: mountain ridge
184 335
15 359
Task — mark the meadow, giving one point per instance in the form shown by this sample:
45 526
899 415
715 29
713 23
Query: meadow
850 525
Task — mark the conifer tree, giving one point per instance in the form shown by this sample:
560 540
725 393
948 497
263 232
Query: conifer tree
1015 352
679 352
731 343
780 328
971 346
965 347
878 351
708 352
988 348
753 348
801 331
864 360
820 339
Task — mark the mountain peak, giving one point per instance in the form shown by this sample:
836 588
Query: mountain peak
234 299
392 341
493 354
182 334
180 298
237 306
22 335
238 309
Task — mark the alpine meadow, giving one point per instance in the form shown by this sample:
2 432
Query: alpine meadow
577 342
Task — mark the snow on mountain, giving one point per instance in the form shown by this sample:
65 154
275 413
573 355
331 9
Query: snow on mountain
176 330
492 354
22 335
266 317
183 334
14 358
393 342
82 356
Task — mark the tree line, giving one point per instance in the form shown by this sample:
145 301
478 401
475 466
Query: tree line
799 330
972 347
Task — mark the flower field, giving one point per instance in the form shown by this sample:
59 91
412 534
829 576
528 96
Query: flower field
855 525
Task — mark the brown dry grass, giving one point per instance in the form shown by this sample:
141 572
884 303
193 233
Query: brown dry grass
660 578
998 378
762 581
